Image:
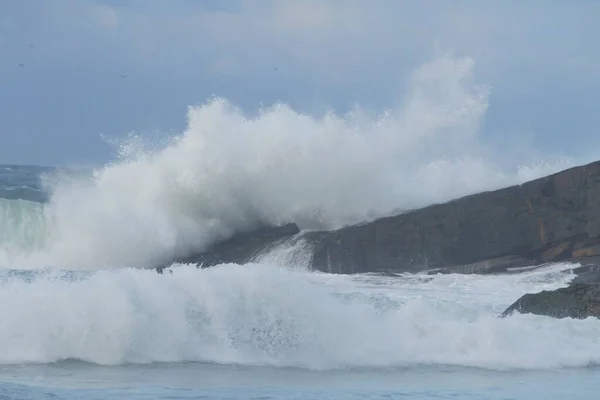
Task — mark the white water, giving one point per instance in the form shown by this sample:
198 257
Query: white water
263 315
230 171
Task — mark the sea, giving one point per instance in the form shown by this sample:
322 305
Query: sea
79 324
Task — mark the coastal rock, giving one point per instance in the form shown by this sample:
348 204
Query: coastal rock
242 247
578 300
551 219
588 273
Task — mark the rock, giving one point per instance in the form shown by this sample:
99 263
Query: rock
555 218
508 264
241 248
540 221
587 251
588 273
578 300
581 299
546 220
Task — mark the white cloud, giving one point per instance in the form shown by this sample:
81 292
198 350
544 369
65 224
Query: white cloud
539 57
309 15
106 17
343 41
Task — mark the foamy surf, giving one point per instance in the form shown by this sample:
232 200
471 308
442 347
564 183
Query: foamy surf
230 171
261 314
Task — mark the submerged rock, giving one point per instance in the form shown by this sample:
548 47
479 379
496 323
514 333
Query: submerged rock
578 300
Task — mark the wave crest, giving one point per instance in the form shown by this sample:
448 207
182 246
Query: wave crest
230 172
259 314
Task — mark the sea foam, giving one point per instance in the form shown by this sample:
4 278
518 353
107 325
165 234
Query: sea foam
230 171
261 314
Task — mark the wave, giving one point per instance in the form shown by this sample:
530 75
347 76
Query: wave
23 182
231 172
24 231
260 314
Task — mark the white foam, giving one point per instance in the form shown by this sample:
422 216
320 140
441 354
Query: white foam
230 171
263 315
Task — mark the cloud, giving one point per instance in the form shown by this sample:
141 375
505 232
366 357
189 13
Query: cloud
538 57
327 38
107 17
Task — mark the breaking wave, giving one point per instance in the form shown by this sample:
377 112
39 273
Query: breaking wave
260 314
230 172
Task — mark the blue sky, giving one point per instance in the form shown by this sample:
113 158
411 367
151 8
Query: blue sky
71 71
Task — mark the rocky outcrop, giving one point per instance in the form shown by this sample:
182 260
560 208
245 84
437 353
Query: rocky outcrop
578 300
555 218
581 299
242 247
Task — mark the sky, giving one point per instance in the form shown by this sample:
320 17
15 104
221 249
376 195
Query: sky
73 72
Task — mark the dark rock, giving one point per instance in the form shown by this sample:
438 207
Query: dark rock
555 218
243 247
579 300
498 265
587 273
587 265
591 277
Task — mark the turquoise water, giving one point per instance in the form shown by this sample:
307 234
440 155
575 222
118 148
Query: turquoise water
267 330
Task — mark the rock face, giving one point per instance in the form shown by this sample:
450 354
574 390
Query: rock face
551 219
242 247
579 300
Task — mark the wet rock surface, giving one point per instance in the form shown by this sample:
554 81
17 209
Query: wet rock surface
241 248
578 300
581 299
551 219
548 220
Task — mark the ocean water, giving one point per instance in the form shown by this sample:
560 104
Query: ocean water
83 315
272 329
262 331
